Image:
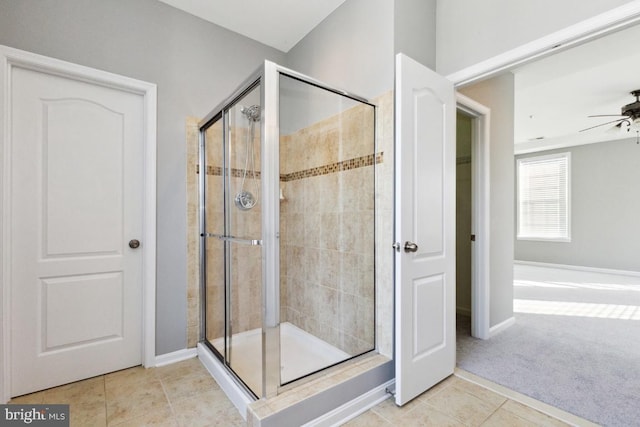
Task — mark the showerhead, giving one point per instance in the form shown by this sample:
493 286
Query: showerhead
252 113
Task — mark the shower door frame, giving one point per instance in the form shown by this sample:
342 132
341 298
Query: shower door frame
219 113
267 77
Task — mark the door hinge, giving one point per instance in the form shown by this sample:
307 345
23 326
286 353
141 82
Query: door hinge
473 237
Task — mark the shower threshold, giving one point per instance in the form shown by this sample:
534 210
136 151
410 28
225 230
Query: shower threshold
301 354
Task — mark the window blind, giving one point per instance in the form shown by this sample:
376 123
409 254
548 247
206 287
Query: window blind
543 197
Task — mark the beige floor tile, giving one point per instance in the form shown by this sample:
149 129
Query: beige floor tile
368 419
124 389
502 418
447 382
162 418
81 392
87 414
127 378
531 414
179 387
180 369
135 402
29 399
461 405
207 409
427 416
478 391
388 410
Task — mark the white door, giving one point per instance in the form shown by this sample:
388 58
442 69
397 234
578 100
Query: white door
425 229
76 189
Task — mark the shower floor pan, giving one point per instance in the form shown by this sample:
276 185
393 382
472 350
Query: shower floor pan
301 354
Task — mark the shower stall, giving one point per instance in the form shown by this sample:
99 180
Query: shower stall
287 169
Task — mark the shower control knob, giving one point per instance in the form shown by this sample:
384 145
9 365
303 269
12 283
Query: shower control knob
134 244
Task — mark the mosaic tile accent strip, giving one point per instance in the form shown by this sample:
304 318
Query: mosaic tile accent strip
344 165
236 173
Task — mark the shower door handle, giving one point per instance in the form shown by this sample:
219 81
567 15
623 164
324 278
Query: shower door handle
251 242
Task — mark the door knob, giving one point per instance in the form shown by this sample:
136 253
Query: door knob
135 243
410 247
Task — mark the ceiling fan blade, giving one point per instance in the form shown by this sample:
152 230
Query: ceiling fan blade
602 124
609 115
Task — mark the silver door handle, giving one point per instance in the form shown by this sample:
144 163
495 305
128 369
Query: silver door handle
134 244
410 247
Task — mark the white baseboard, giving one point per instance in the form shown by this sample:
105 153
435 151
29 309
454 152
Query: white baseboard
355 407
630 273
494 330
176 356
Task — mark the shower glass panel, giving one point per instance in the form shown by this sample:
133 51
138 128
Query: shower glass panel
233 292
327 159
244 224
287 191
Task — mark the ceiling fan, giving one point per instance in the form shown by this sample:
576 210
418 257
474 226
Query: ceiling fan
630 115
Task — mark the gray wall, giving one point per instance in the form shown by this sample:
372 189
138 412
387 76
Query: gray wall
470 31
195 65
414 24
351 49
498 94
605 201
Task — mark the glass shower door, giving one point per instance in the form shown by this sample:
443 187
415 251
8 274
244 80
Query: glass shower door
245 230
232 238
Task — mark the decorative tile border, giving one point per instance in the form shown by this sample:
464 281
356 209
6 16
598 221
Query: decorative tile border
236 173
344 165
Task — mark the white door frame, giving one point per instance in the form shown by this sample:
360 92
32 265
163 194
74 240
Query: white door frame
11 58
480 214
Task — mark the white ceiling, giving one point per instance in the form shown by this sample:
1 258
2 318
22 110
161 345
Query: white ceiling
554 96
277 23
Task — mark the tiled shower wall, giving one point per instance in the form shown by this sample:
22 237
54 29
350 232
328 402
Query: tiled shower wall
383 220
327 229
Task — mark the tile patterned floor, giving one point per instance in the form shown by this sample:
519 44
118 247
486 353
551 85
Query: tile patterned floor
455 402
184 394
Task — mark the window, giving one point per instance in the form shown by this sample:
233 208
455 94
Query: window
543 197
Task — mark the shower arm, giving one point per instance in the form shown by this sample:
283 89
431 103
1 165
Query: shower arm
252 242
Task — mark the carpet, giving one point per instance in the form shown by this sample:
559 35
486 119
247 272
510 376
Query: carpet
574 349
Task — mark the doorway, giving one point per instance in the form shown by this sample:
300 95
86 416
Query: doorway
561 284
472 215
